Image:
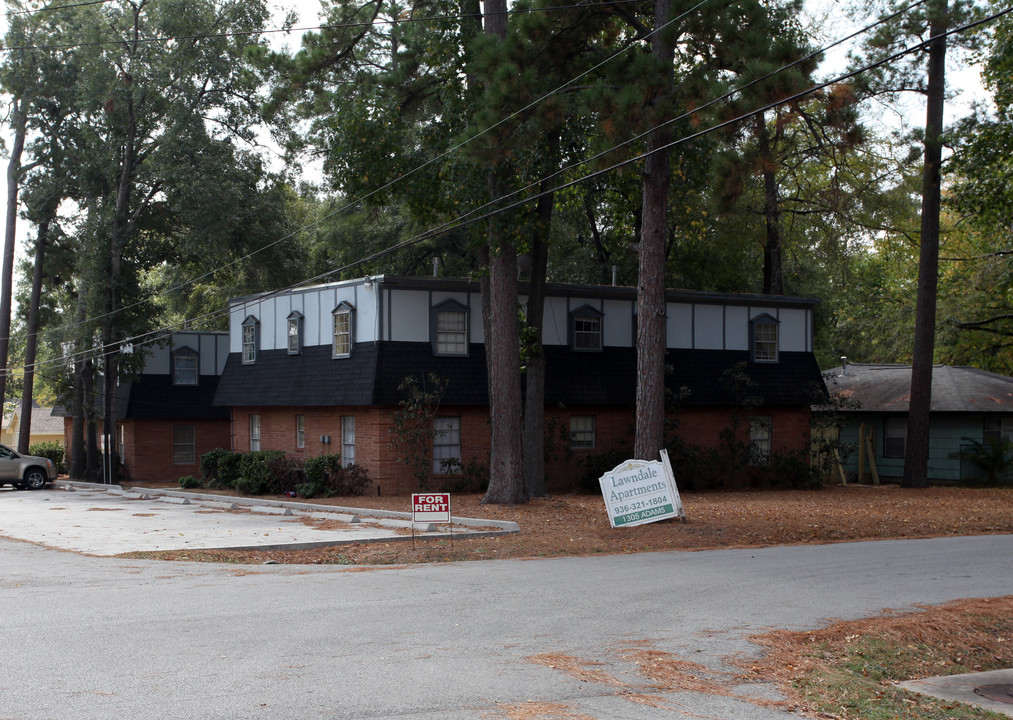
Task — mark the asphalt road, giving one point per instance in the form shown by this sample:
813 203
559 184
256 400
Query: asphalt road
86 637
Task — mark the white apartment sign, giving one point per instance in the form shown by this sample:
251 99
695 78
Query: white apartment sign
637 492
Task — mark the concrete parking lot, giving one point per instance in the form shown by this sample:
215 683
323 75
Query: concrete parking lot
109 520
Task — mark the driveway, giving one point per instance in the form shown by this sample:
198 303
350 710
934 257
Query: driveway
107 520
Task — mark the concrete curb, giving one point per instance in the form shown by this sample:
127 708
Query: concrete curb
362 514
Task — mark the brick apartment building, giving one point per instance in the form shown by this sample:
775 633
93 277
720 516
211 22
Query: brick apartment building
316 370
167 419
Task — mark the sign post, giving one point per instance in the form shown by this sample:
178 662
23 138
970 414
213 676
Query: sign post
637 492
431 508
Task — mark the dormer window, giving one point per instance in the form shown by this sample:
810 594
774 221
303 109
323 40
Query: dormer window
450 323
251 339
342 345
763 338
585 329
184 366
295 333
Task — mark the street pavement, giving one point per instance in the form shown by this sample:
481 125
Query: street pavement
105 637
108 520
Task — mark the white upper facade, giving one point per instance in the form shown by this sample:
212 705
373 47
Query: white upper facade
588 318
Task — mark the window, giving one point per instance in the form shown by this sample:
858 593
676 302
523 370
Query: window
300 431
760 445
895 437
585 329
254 433
582 432
764 338
183 444
295 333
184 367
348 440
251 332
342 331
446 444
998 429
451 323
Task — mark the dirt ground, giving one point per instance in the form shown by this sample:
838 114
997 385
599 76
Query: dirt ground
578 524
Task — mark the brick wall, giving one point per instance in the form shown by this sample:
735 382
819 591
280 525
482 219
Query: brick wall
149 451
564 469
148 447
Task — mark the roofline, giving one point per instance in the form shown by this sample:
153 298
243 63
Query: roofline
612 292
618 292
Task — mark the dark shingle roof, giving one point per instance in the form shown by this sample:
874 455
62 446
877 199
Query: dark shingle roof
372 374
887 388
311 379
154 397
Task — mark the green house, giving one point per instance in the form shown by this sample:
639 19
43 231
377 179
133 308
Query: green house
967 405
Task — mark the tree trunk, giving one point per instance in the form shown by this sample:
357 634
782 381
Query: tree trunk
773 271
32 339
18 125
506 472
650 420
78 468
917 451
534 389
91 470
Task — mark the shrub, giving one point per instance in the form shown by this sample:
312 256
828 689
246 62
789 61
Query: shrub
470 478
189 482
788 468
597 464
325 476
254 476
220 468
286 473
50 450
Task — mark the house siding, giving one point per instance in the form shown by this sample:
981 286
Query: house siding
946 435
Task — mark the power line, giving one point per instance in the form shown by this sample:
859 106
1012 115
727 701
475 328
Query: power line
466 220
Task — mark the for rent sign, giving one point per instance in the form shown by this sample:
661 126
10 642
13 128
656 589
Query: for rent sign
641 491
431 507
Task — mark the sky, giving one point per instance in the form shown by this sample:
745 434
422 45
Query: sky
832 21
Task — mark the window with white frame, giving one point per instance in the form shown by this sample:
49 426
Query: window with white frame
446 444
251 333
342 346
184 367
764 331
295 333
450 322
582 432
183 444
348 440
998 429
895 437
300 431
254 433
586 329
760 439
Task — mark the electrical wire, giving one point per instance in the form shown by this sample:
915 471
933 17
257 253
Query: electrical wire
465 221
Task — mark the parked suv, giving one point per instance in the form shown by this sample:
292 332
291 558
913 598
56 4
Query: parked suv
25 471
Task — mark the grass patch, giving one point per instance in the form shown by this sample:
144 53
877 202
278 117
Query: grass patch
851 670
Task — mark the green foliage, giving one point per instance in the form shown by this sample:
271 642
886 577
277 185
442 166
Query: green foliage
327 477
51 450
472 477
992 457
220 468
189 482
255 476
597 464
412 424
